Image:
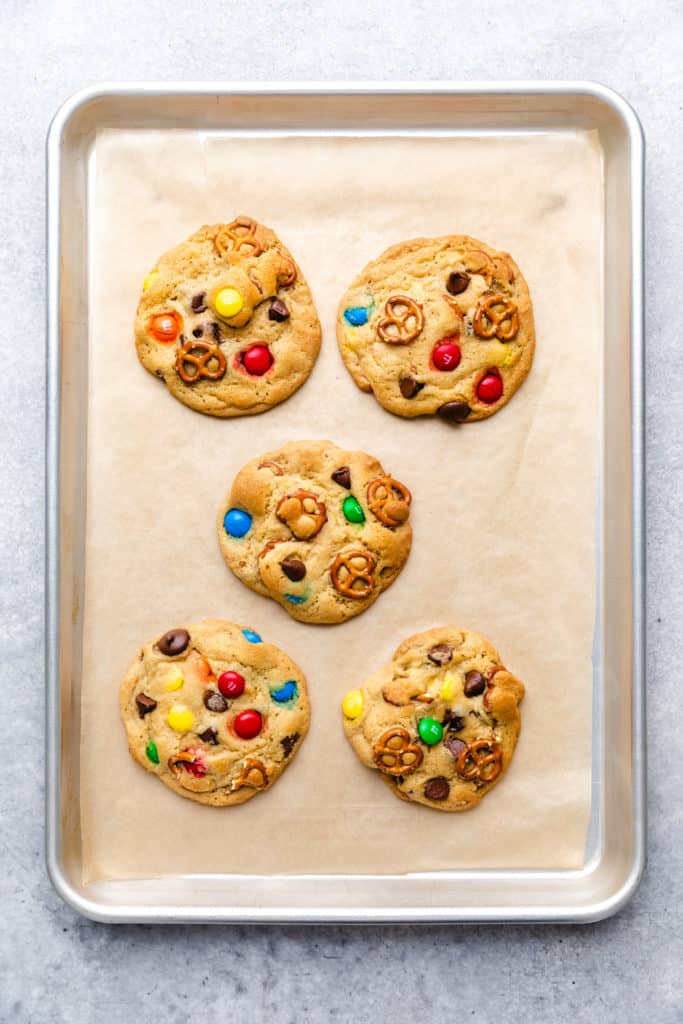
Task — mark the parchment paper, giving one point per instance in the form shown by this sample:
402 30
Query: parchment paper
503 512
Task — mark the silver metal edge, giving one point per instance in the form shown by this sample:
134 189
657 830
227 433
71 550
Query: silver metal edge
104 913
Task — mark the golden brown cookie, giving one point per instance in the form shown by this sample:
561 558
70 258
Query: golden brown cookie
227 321
214 712
439 325
321 530
440 722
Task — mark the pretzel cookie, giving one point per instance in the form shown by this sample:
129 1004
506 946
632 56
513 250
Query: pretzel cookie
320 530
438 326
227 321
440 722
214 712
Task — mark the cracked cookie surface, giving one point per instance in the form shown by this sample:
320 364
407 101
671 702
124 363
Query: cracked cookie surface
439 326
214 712
320 530
227 320
440 722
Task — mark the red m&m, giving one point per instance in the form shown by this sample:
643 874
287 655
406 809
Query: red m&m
248 724
490 388
257 360
446 355
231 684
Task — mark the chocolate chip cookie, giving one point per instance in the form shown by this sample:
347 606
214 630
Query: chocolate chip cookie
321 530
227 321
214 712
440 721
439 325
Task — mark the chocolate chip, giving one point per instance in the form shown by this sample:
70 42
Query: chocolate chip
453 722
215 701
289 742
409 386
145 704
455 747
441 654
209 736
216 331
454 412
474 684
198 302
278 311
457 282
197 332
342 476
174 642
293 568
437 788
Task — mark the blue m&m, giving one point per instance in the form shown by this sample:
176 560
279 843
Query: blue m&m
236 522
356 316
294 599
251 636
285 693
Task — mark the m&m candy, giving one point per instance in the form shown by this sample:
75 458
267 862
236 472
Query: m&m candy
257 360
352 510
164 327
430 731
447 691
152 752
251 636
228 302
295 598
248 724
149 279
490 388
180 718
236 522
173 681
446 355
356 316
231 684
352 704
285 693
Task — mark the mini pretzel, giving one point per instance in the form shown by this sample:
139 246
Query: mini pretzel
396 754
209 353
353 573
389 500
496 317
303 513
186 759
394 328
401 692
480 761
239 234
268 464
288 275
479 262
253 774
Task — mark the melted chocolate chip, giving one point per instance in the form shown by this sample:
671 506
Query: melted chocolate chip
440 654
288 743
474 684
198 302
145 704
457 282
410 386
454 412
197 332
215 701
209 736
455 747
174 642
342 476
278 311
216 331
452 722
293 568
437 788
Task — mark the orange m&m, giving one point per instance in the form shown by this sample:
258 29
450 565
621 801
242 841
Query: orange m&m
164 327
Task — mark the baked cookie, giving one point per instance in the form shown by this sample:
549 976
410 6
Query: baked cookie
227 321
321 530
214 712
438 325
440 722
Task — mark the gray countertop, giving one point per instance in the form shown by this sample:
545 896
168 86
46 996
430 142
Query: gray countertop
55 966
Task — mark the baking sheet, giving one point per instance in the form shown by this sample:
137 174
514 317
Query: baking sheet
503 514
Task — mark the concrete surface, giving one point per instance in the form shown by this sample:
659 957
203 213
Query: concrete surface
56 967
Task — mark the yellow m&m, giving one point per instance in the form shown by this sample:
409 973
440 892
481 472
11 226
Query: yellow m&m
180 718
228 302
148 280
447 691
173 681
352 704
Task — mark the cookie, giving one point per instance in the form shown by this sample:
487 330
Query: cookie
227 321
321 530
439 325
214 712
440 722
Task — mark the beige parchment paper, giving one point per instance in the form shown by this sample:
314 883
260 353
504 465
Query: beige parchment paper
504 510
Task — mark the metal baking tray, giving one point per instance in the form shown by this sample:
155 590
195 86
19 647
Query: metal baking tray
616 843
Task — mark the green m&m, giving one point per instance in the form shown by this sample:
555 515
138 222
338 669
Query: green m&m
352 510
430 731
152 752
